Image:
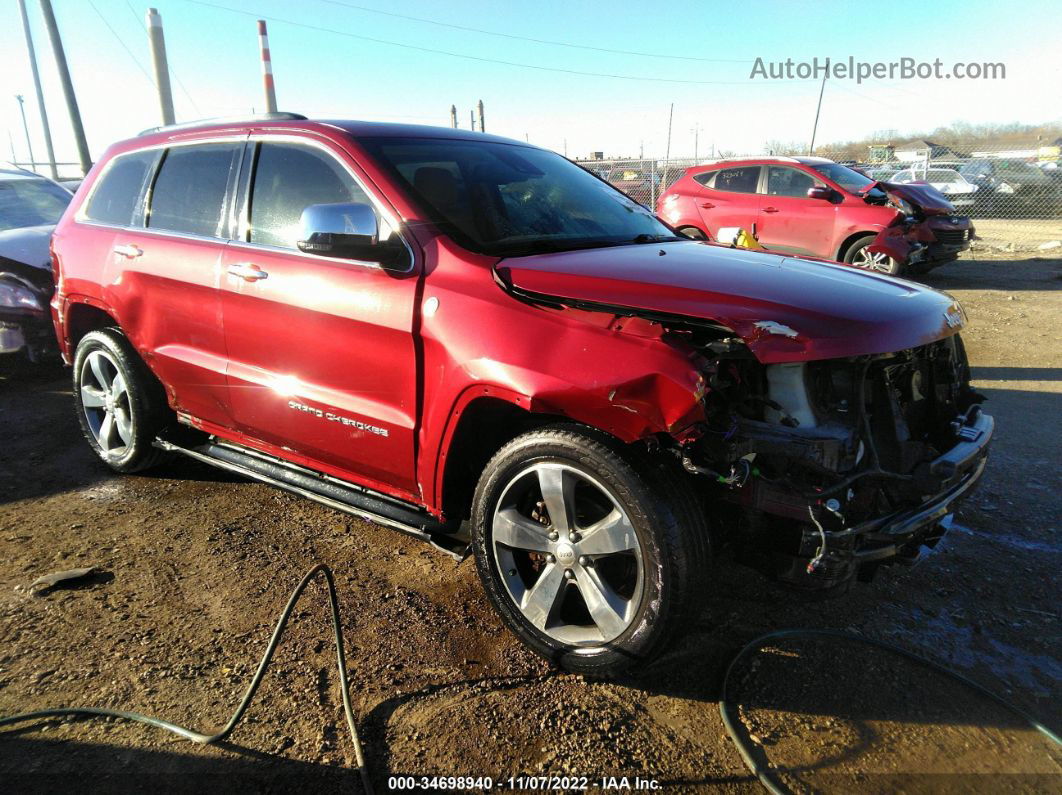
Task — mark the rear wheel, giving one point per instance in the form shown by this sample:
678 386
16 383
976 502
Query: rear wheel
121 407
591 557
860 257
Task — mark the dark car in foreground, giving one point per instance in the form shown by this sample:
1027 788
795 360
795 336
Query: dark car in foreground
475 341
813 206
30 206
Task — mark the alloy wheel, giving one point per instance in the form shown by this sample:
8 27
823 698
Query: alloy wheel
105 401
568 554
879 262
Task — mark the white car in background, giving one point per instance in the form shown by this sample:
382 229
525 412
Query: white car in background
948 181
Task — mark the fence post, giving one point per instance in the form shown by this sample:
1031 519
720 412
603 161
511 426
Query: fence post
652 185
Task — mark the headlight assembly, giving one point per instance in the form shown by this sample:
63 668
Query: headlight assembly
15 296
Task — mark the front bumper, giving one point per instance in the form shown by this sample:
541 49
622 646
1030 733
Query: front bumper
903 535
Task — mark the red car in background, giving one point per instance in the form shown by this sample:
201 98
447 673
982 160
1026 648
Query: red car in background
813 206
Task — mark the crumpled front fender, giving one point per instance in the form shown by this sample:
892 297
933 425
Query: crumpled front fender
902 241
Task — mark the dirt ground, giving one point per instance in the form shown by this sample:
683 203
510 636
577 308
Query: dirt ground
195 565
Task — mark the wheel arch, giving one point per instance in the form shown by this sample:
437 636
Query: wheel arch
83 316
481 426
850 241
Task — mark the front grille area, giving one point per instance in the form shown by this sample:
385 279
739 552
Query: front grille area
950 237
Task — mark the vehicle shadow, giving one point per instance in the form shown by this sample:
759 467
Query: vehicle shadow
30 764
43 452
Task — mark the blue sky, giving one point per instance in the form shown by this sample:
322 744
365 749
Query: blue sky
213 53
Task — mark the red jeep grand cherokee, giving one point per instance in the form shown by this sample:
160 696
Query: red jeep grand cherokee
813 206
476 341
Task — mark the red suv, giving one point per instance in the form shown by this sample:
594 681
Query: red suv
813 206
475 341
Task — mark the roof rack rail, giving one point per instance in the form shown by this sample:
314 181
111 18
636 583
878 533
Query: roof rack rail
224 120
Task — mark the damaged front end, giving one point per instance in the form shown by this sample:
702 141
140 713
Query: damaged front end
830 468
25 325
926 231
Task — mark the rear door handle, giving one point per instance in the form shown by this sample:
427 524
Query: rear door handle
247 271
707 205
130 251
770 209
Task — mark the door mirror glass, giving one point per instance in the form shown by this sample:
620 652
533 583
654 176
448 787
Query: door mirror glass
349 230
820 192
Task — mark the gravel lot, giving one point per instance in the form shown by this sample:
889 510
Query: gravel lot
195 566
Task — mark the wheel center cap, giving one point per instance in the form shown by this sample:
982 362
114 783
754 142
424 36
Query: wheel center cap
565 554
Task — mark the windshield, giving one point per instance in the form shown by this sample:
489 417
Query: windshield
30 202
851 181
510 200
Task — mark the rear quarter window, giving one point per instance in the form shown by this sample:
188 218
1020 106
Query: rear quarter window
706 179
115 195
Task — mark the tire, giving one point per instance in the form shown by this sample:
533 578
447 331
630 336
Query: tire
121 406
692 232
634 580
878 263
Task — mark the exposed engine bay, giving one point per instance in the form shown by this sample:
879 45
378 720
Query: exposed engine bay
813 451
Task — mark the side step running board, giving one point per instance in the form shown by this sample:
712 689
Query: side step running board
334 493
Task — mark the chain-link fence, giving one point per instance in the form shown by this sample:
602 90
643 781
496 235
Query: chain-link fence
1013 195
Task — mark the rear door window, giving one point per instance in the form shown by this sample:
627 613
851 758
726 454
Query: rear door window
115 196
737 180
192 188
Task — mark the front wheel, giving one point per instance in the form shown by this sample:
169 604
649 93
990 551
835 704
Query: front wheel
593 558
879 263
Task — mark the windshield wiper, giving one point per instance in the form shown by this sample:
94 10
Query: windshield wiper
647 238
547 246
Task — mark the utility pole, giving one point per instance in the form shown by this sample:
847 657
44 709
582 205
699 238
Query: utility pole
25 129
696 140
267 68
667 149
37 86
157 42
68 86
453 116
482 128
815 129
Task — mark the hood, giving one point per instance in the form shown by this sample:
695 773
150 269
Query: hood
28 245
921 196
785 309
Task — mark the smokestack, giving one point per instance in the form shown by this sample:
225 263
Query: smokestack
162 70
267 68
453 116
481 127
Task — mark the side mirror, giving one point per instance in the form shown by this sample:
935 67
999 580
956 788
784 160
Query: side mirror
350 231
820 192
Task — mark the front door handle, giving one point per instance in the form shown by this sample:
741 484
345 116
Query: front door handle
248 271
770 209
707 205
130 251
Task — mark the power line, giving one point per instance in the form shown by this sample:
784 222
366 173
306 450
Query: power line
529 38
482 59
114 33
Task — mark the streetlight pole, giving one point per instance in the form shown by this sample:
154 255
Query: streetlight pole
25 128
37 85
